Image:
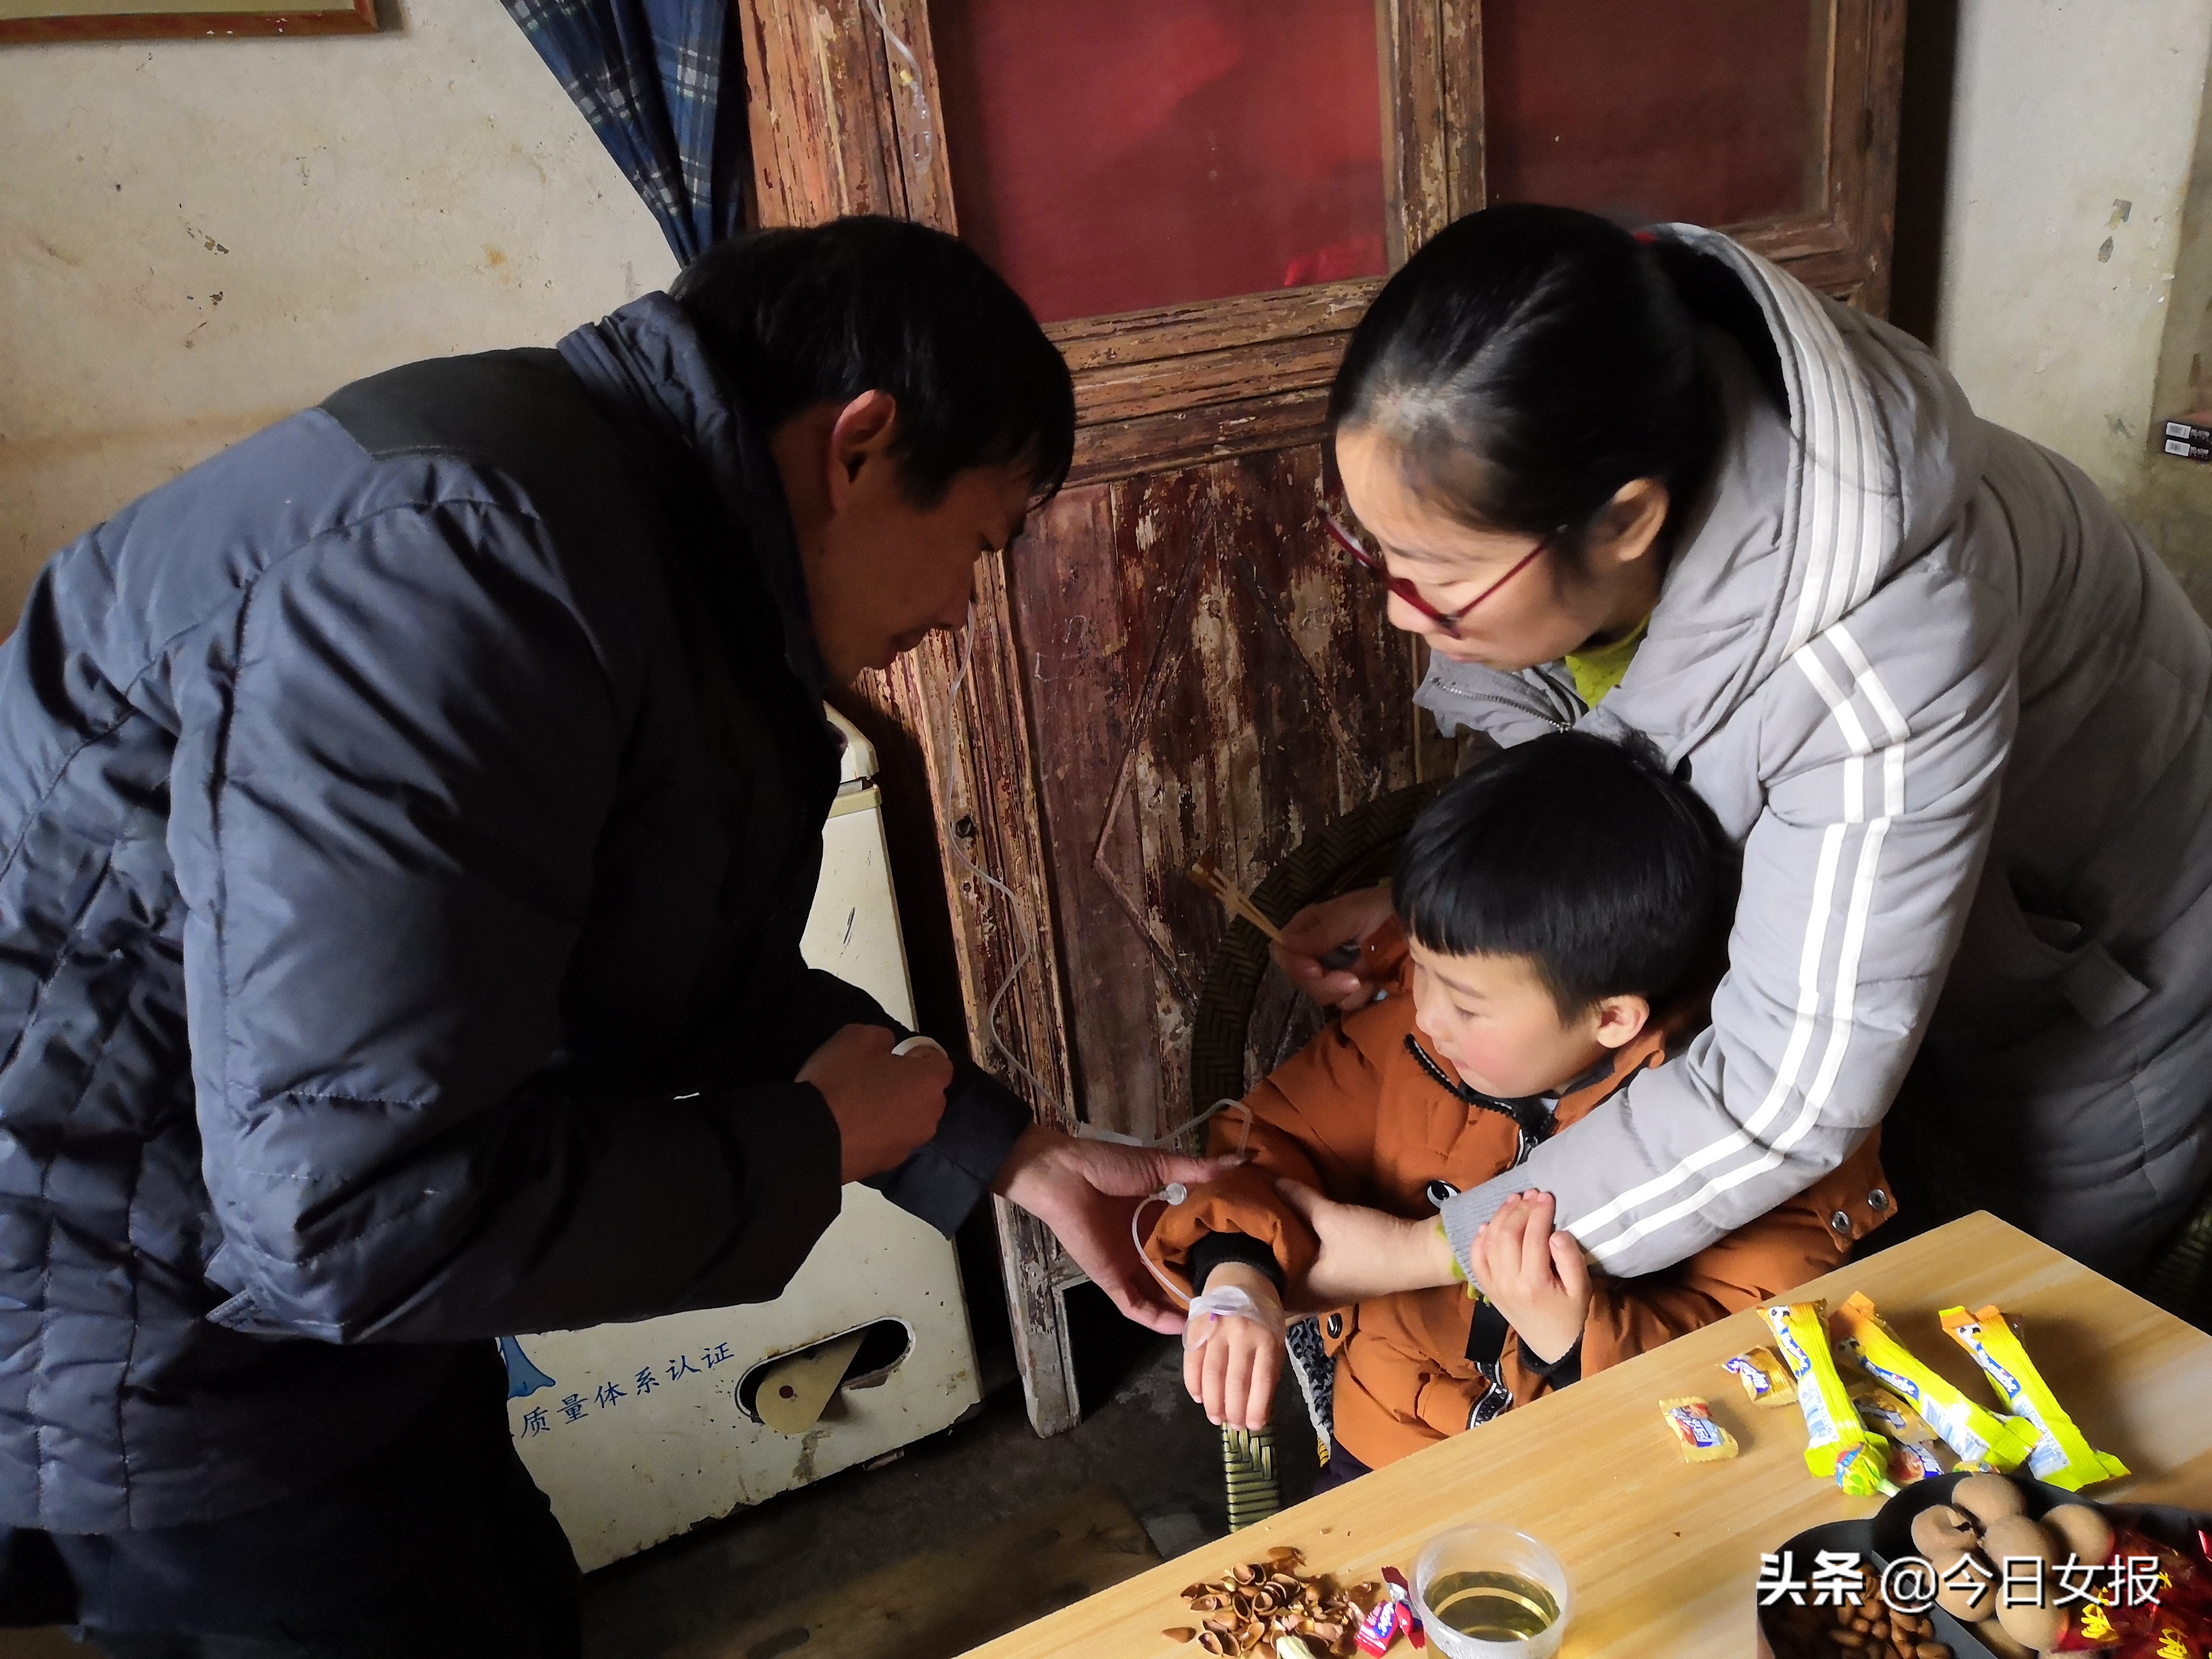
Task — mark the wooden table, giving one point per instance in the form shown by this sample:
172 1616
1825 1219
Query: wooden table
1663 1554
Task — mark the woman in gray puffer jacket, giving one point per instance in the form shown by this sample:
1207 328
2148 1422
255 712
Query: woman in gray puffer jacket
1951 708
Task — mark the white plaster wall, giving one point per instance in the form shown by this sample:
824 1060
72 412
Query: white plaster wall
198 238
2053 296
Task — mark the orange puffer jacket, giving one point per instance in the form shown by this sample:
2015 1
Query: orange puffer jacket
1362 1117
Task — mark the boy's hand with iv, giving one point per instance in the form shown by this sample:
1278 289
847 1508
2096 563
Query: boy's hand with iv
1090 1192
1535 1275
1230 1360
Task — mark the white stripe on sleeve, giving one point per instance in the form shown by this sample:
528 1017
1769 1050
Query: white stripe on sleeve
1858 910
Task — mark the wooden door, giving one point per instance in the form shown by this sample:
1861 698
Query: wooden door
1172 664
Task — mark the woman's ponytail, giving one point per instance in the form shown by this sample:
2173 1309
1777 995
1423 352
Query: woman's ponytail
1715 296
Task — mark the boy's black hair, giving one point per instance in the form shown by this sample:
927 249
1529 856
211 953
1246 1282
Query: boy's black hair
797 317
1583 855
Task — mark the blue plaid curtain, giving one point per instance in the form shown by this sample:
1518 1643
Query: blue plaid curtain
662 83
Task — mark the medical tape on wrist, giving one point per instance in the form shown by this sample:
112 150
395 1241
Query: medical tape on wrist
1231 1302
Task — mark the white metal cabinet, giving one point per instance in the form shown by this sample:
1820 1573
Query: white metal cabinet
636 1431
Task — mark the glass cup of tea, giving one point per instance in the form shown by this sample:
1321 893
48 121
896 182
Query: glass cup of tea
1487 1592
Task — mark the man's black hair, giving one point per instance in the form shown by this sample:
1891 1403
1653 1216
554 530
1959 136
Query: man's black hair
798 316
1582 855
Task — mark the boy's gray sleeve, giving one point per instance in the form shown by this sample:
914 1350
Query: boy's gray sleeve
1879 785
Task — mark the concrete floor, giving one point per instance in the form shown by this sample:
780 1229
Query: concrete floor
1147 1439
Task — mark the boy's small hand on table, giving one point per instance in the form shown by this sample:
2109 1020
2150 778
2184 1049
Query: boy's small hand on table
1535 1276
1229 1363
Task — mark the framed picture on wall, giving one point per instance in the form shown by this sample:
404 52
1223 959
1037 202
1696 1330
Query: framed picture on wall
22 21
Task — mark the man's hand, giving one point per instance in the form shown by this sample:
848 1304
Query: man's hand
1087 1191
1365 1252
1537 1277
1348 919
1229 1365
886 1105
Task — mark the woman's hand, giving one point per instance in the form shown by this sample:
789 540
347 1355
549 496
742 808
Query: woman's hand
1229 1363
1537 1276
1366 1253
1349 919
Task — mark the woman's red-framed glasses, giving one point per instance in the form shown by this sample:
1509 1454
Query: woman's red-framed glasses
1402 587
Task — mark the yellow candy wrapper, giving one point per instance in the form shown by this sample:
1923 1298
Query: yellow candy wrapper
1911 1441
1697 1437
1862 1471
2062 1456
1884 1412
1974 1434
1765 1379
1838 1446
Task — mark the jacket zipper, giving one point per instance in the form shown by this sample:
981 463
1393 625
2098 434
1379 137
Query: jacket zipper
1532 1124
1564 689
1550 713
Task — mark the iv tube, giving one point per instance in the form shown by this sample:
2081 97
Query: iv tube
1022 928
1028 954
908 73
1173 1193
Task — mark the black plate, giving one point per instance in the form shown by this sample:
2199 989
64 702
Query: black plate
1888 1537
1859 1536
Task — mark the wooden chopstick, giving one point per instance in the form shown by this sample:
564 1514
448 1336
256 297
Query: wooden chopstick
1209 876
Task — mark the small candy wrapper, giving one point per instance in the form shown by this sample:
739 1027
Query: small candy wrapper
1974 1434
1392 1617
1402 1594
1697 1437
1765 1379
1380 1630
1884 1410
2061 1458
1909 1461
1838 1446
1911 1441
1865 1470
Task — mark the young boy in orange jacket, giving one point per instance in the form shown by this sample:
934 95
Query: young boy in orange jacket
1558 906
